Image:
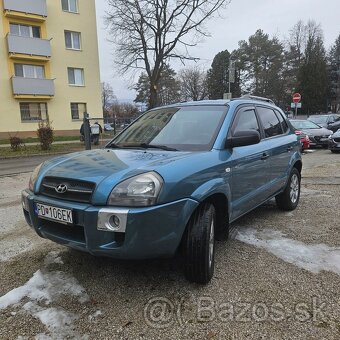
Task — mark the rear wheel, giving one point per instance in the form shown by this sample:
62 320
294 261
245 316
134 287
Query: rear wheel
199 248
289 198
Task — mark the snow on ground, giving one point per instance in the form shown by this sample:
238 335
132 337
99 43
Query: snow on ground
46 287
312 257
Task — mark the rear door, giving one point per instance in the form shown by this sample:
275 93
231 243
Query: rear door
281 144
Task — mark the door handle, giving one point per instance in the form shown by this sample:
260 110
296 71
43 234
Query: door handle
290 148
265 156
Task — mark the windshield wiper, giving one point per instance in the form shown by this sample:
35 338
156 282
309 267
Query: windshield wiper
115 146
150 146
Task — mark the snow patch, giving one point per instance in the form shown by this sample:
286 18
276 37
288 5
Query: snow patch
44 288
312 257
53 257
95 315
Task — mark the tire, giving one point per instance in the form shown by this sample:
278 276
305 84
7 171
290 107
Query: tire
289 198
335 151
199 247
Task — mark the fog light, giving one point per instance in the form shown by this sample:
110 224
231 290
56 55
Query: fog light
114 221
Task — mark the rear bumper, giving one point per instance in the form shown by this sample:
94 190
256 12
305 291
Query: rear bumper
149 232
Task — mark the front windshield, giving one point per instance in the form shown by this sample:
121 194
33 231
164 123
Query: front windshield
318 119
192 128
304 124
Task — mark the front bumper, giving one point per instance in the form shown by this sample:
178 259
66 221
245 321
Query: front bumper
318 141
334 145
148 232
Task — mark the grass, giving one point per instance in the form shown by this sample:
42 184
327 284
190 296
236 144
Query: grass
105 135
35 150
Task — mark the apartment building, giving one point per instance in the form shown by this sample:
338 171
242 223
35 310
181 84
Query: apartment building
49 65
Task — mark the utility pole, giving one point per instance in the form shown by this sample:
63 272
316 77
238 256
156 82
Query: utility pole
87 131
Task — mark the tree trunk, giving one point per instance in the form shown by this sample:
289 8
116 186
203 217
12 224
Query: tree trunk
153 99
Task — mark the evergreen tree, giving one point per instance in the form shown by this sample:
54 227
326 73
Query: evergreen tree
261 64
218 76
168 88
312 75
334 75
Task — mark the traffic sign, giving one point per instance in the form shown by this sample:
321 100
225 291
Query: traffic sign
296 97
296 105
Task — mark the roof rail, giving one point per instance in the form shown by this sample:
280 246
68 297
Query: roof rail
267 100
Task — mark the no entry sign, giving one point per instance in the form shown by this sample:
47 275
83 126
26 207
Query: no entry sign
296 97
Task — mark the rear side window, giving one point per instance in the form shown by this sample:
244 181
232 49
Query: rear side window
282 121
270 122
246 120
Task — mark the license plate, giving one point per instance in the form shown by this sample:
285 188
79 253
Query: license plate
54 213
323 139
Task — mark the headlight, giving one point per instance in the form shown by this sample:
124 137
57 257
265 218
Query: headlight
137 191
34 177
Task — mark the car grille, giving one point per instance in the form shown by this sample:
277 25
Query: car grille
74 233
336 139
77 191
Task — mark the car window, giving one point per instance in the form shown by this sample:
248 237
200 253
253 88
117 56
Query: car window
246 120
318 119
283 122
270 122
304 124
191 128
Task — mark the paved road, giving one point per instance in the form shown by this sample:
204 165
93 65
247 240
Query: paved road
12 166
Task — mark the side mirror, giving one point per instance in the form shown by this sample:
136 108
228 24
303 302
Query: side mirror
243 138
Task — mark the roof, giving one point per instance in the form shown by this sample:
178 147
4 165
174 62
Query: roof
216 102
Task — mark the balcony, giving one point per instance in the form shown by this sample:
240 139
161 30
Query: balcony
29 47
35 10
32 87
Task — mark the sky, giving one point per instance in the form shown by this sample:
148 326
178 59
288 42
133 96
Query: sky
238 21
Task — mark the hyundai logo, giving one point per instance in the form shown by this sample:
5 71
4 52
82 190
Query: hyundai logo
61 188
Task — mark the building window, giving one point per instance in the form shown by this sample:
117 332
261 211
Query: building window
25 30
29 71
72 40
69 6
33 111
75 76
77 110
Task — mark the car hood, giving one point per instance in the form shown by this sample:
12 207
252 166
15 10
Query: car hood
317 132
107 167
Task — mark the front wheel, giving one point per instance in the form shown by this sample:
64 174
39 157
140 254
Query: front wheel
289 198
199 247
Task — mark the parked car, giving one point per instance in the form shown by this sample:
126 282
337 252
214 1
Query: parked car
334 142
173 180
318 136
108 127
329 121
304 139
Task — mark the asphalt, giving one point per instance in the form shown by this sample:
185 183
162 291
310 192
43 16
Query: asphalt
13 166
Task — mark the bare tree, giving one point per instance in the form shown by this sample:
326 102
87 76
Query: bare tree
148 33
108 97
123 110
193 84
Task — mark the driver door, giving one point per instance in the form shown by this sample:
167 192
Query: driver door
248 166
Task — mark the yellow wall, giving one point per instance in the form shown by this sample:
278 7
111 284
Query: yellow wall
58 106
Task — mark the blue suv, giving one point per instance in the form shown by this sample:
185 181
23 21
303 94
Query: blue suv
173 180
